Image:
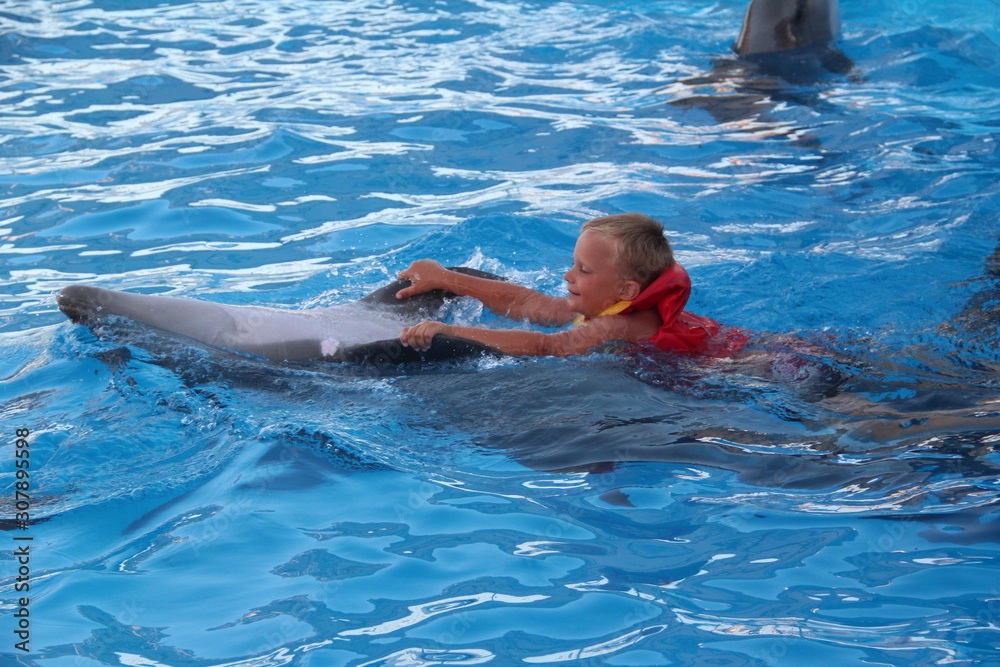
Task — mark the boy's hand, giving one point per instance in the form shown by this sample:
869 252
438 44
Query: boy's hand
419 336
424 274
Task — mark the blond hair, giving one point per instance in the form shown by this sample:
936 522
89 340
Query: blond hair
643 250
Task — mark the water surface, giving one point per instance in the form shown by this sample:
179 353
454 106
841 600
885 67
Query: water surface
191 508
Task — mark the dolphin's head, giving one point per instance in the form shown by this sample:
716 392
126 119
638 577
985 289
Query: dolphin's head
780 25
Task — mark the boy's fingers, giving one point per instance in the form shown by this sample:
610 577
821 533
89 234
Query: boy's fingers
411 337
420 336
412 288
425 338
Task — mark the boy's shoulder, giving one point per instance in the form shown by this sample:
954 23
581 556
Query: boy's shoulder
644 323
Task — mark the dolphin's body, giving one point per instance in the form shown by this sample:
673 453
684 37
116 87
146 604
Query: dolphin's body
364 331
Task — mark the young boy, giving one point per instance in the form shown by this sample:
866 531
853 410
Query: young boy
624 285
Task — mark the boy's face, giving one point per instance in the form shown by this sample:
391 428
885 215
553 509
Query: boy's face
594 281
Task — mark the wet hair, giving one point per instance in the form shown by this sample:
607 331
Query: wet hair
643 249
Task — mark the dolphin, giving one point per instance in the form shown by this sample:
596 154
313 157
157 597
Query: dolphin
781 25
783 50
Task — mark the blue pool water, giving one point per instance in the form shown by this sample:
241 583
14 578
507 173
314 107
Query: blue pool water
188 509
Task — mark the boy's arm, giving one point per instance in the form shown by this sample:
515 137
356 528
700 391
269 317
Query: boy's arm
529 343
512 301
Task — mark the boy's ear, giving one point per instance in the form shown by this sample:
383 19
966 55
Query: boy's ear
629 290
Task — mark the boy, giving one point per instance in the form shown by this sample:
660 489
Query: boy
624 285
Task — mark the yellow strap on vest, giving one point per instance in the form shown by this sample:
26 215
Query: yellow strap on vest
613 310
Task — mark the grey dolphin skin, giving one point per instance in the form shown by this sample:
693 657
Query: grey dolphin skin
366 331
780 25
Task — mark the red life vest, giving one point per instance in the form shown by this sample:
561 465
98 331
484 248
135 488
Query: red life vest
683 332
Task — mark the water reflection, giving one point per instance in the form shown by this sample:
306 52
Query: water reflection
740 90
979 319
